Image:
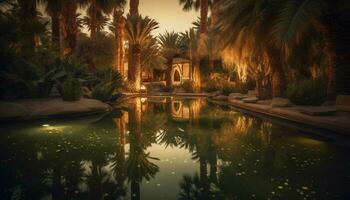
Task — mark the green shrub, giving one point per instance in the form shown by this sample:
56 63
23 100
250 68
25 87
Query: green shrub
213 86
188 86
106 84
229 88
102 93
71 90
307 92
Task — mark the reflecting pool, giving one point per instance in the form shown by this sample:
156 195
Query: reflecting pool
168 148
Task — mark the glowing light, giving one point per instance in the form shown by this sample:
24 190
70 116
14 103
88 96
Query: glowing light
143 100
143 87
45 125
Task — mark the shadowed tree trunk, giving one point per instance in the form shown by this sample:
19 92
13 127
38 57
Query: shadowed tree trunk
214 20
278 75
133 11
134 7
136 65
336 31
119 39
55 28
93 10
169 73
69 26
27 15
204 16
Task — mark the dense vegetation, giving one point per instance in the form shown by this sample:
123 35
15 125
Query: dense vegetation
274 47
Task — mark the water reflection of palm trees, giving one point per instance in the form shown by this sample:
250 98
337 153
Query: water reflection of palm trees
237 155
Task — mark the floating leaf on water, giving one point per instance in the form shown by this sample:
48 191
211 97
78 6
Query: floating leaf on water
305 188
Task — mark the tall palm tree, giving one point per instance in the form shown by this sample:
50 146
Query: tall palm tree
117 27
332 19
203 6
189 44
27 15
54 8
170 45
241 20
96 10
133 11
138 32
134 7
69 25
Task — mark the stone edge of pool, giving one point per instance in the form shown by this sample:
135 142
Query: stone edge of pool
327 123
37 109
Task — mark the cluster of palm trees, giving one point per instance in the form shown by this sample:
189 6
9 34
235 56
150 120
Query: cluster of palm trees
272 31
265 37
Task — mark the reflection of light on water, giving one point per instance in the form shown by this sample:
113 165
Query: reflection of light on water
143 100
53 129
308 141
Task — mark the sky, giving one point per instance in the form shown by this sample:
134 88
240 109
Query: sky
168 13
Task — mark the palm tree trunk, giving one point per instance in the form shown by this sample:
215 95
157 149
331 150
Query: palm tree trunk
27 14
214 20
70 26
278 75
119 38
134 7
134 11
55 28
93 10
204 16
136 65
336 31
169 74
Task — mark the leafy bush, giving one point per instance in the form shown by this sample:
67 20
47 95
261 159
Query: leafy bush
229 88
188 86
307 92
108 82
102 94
213 86
71 90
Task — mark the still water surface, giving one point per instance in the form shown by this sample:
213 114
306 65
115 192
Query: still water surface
168 148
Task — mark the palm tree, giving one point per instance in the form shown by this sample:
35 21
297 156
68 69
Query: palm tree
189 44
54 8
117 27
96 11
332 20
134 8
170 45
69 25
203 6
242 20
27 15
138 32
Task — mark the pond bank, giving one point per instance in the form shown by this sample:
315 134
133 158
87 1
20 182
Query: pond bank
35 109
338 123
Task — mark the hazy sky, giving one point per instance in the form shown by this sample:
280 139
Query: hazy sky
168 13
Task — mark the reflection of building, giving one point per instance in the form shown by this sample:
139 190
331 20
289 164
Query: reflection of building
181 111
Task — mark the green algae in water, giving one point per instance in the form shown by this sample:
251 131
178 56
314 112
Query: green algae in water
169 149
